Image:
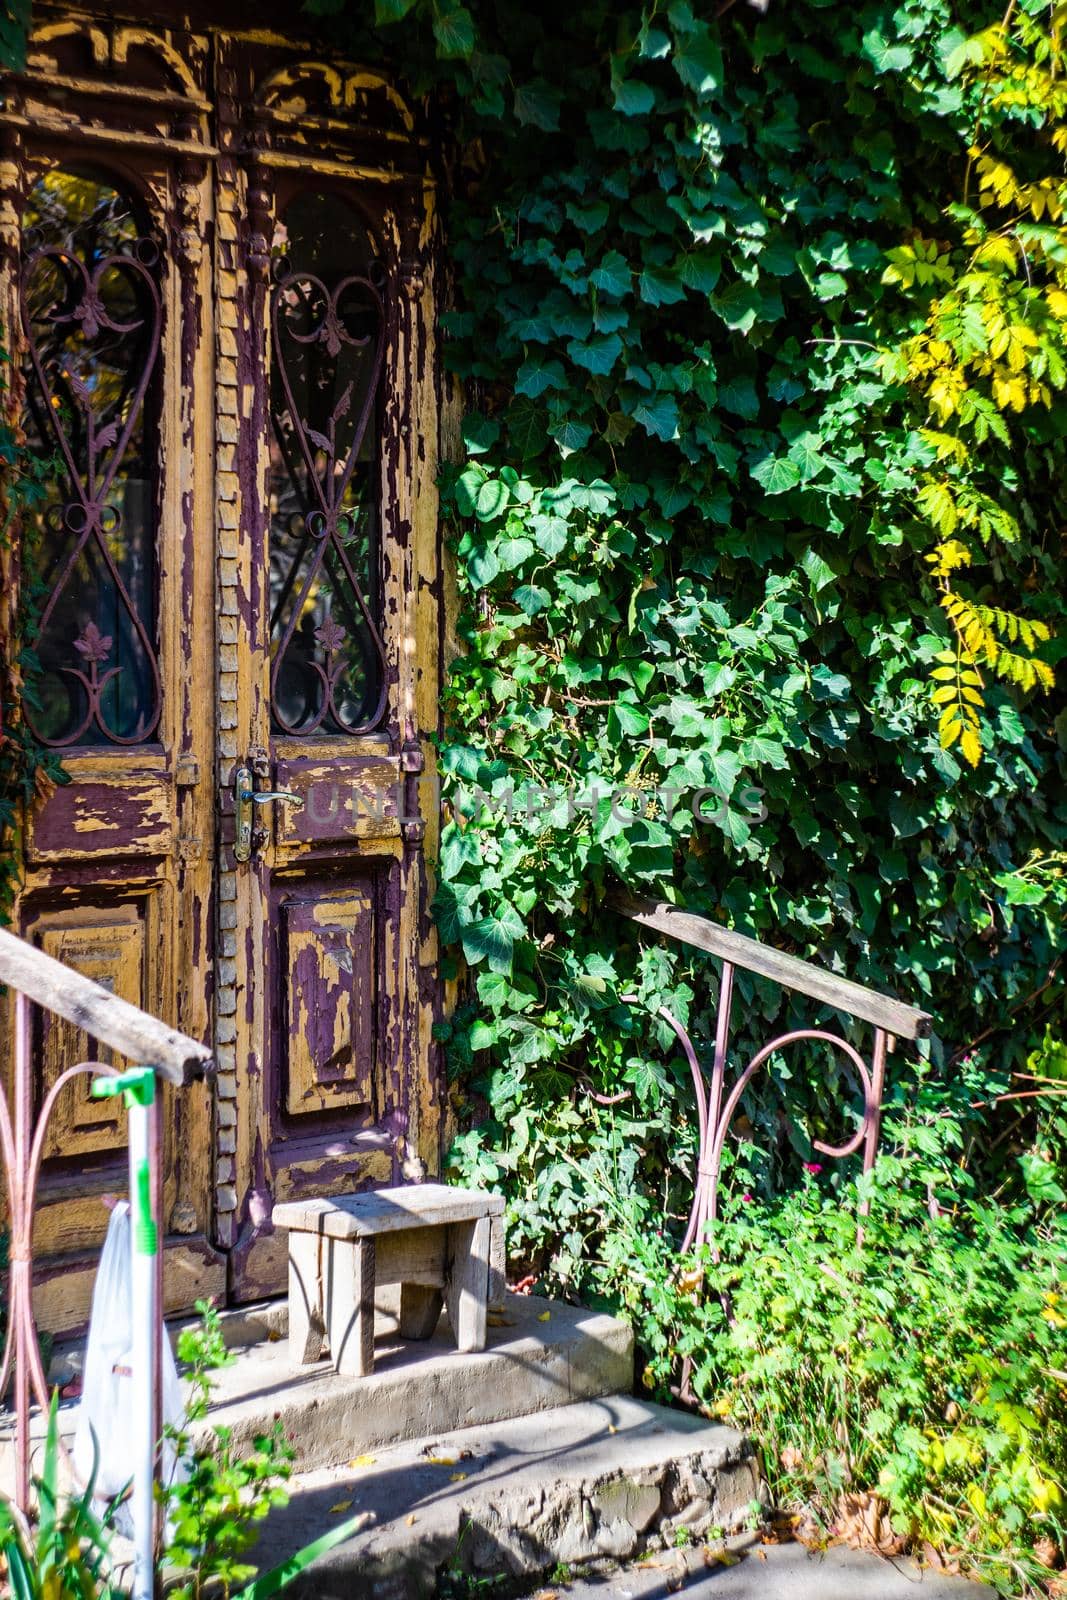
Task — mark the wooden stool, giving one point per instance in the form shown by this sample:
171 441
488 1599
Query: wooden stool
436 1242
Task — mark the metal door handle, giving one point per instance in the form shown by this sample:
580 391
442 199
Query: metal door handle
259 797
245 799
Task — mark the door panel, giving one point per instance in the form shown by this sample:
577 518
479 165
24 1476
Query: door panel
106 291
333 989
327 1045
242 568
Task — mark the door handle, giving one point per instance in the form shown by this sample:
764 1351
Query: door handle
245 800
259 797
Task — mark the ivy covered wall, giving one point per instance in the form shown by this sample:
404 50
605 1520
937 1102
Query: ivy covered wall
738 312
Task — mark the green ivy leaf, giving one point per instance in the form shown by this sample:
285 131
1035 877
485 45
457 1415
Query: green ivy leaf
613 276
571 435
632 98
886 57
479 433
697 60
658 416
626 720
537 105
491 500
492 939
597 355
531 598
776 475
512 552
454 32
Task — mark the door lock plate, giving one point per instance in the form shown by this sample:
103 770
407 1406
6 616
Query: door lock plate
243 811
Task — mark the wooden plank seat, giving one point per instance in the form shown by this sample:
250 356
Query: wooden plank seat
436 1242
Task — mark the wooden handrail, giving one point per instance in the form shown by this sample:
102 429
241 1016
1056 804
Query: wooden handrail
903 1021
104 1016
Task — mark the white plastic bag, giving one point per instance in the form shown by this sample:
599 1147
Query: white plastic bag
107 1409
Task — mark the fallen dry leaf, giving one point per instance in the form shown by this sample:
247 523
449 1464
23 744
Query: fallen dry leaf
1046 1550
273 1336
440 1461
410 1519
363 1461
720 1558
862 1521
457 1477
342 1505
544 1316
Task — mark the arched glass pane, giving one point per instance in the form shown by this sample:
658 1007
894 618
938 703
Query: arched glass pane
328 345
90 313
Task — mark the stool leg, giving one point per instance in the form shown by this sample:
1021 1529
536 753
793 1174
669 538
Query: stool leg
420 1310
307 1328
467 1282
498 1282
351 1306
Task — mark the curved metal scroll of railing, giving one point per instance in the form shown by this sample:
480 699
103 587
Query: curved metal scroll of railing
891 1019
39 979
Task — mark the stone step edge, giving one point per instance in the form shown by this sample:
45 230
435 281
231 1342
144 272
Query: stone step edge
574 1509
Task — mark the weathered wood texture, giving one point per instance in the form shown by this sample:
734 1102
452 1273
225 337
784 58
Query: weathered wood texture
80 1001
903 1021
313 967
355 1216
434 1241
467 1283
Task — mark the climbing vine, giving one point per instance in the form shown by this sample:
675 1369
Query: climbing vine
993 344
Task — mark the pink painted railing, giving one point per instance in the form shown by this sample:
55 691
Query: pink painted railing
890 1019
37 979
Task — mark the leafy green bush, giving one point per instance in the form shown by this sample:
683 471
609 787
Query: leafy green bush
924 1363
67 1555
910 1360
214 1508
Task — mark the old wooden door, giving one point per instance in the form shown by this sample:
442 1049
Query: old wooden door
107 285
329 616
220 273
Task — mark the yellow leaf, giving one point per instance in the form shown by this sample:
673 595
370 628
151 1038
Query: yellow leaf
410 1519
944 693
971 745
363 1461
441 1461
544 1316
950 731
457 1477
342 1505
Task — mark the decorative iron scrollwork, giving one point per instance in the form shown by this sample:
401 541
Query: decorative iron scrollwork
329 346
91 316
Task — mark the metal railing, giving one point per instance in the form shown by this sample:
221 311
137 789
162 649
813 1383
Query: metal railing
38 979
891 1019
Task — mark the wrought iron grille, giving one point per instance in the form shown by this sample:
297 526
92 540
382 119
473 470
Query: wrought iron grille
328 331
91 315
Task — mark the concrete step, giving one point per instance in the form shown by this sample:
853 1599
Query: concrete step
593 1481
760 1571
541 1354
